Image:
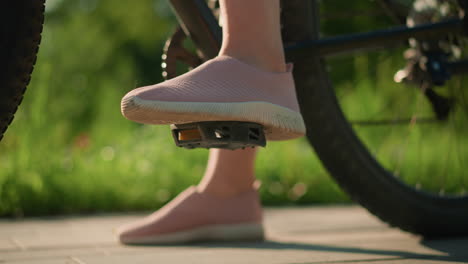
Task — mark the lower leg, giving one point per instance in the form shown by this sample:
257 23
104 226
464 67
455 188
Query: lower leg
251 33
229 172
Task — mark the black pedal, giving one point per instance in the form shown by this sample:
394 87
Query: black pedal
219 134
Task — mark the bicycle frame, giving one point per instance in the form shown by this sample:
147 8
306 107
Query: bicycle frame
202 27
198 22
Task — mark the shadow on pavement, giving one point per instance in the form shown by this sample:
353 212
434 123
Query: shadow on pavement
456 250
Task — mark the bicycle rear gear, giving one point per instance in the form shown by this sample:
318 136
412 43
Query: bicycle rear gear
219 134
428 60
176 52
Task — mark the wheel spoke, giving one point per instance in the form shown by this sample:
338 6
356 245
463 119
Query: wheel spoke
399 121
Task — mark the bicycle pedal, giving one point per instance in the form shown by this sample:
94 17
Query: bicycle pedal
219 134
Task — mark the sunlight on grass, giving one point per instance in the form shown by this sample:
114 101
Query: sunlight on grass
428 155
69 150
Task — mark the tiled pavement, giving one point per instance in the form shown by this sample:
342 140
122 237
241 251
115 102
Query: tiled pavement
296 235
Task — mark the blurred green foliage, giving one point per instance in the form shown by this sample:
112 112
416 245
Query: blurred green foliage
69 150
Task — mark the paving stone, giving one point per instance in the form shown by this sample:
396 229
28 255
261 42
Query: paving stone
49 253
296 235
226 256
302 220
48 261
7 245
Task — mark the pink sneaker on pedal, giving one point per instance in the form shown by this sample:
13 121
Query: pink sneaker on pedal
221 89
194 216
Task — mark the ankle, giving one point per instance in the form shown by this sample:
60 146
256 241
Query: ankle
224 191
267 62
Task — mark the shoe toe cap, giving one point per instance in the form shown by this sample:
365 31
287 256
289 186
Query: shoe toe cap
129 233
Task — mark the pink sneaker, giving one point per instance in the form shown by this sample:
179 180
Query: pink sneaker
193 216
221 89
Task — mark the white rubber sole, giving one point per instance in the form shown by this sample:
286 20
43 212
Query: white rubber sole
280 123
238 232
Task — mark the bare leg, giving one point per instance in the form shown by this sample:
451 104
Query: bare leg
251 33
229 172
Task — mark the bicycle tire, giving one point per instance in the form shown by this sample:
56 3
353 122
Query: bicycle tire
21 23
345 156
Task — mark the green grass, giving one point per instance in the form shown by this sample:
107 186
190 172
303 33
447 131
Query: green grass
430 155
69 150
116 165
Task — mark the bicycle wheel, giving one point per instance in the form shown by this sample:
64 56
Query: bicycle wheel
398 170
20 34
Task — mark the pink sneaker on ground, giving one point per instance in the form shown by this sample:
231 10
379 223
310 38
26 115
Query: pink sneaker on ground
221 89
193 216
